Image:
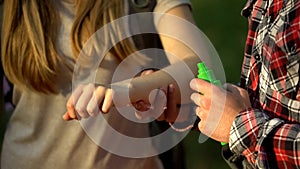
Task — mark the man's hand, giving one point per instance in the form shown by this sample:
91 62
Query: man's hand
217 108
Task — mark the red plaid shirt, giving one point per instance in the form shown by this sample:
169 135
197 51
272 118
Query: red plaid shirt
268 134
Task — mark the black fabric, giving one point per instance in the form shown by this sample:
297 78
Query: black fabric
7 96
146 40
143 41
234 161
2 109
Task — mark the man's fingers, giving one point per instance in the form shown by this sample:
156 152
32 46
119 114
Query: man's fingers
236 90
201 86
240 92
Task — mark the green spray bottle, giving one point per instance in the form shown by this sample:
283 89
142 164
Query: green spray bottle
208 75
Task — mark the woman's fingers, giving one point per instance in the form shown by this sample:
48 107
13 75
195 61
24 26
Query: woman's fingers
155 108
71 112
94 98
201 86
108 99
143 114
67 117
93 105
84 99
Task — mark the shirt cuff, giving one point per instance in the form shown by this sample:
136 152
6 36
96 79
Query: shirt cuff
245 133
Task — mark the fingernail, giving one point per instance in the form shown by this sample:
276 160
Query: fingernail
193 84
193 97
104 109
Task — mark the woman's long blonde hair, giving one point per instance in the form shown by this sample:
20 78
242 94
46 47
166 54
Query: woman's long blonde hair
29 34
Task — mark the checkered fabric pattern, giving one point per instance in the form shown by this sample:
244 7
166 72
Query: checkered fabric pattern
268 134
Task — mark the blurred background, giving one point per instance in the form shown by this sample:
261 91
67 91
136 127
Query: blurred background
226 28
223 24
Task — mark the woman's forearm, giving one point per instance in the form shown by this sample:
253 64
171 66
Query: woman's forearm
179 74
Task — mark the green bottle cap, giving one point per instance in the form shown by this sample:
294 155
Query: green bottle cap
207 74
203 72
201 67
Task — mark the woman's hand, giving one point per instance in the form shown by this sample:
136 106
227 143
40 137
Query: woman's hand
162 105
217 108
86 101
154 106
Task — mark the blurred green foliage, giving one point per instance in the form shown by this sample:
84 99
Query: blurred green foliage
223 24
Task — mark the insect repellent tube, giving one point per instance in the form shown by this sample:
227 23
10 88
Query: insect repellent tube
208 75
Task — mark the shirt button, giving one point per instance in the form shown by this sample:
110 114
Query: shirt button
255 154
257 57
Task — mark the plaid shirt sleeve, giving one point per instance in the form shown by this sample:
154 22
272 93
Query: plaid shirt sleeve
266 143
268 133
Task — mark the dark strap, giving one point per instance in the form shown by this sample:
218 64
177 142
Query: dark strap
137 6
146 40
